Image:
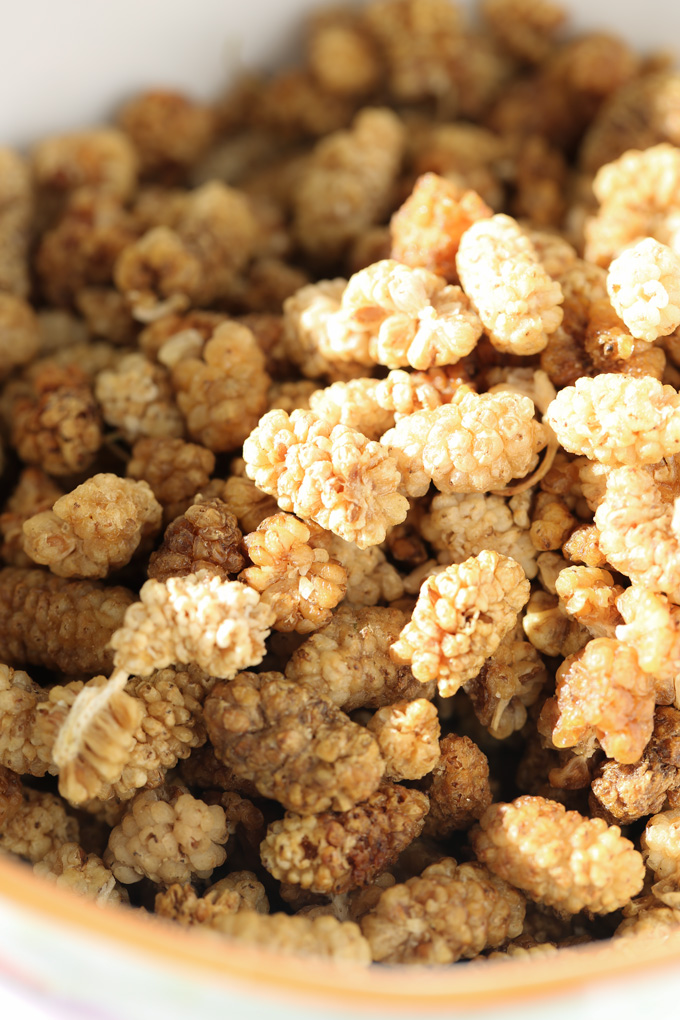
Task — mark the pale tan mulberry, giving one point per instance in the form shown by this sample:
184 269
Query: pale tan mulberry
204 538
174 469
342 56
58 623
95 529
462 524
349 663
222 392
637 528
136 397
19 334
639 196
617 419
477 444
657 921
458 787
292 742
296 578
39 827
319 937
168 130
238 891
558 857
219 625
345 186
334 476
395 316
168 836
106 315
550 565
629 792
449 912
509 682
583 546
57 426
355 404
19 698
16 214
81 248
214 234
643 287
157 275
420 40
502 275
526 28
460 619
304 341
602 693
590 596
333 853
70 867
103 158
408 737
371 578
34 492
551 522
651 625
426 230
170 729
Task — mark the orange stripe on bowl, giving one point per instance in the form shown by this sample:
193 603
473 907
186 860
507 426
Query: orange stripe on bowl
397 989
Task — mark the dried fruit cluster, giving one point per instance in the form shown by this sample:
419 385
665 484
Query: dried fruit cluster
341 495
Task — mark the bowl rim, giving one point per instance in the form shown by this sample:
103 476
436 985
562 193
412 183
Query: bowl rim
275 974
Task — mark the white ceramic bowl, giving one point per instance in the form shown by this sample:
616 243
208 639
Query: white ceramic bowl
66 64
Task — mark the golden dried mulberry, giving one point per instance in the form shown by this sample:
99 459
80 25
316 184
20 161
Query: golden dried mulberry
39 827
70 867
356 169
136 397
509 682
298 579
95 529
642 285
617 419
602 693
477 444
426 230
219 625
558 857
408 737
222 392
394 315
502 275
175 470
460 619
334 476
